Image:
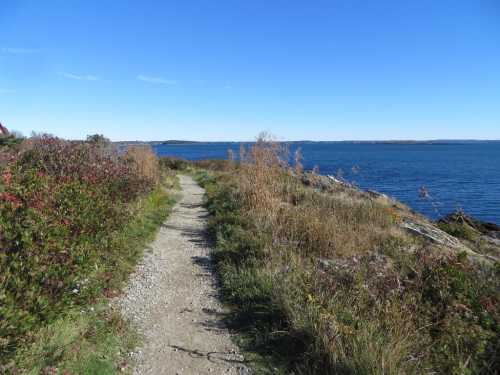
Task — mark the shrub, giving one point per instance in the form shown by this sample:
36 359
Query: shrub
214 164
62 204
173 163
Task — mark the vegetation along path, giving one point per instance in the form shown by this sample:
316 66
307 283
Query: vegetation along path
172 299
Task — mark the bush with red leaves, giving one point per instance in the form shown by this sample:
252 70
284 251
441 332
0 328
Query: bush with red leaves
61 204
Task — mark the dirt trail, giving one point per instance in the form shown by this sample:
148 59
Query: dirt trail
172 299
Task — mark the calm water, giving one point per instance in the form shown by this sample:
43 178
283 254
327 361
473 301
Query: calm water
463 176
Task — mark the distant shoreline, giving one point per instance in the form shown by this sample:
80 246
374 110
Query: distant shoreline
394 142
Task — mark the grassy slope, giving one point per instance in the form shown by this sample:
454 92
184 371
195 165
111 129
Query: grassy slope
261 324
93 340
311 303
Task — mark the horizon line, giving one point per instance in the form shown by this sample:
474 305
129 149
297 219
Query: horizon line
320 141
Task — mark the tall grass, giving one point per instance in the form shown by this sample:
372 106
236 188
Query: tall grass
316 224
144 161
332 277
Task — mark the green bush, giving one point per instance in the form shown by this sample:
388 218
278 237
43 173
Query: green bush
173 163
63 206
460 230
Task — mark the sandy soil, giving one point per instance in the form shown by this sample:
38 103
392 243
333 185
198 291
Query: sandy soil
172 299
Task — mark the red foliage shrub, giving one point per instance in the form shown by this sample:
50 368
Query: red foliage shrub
61 203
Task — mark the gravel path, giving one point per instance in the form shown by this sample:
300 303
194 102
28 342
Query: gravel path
172 299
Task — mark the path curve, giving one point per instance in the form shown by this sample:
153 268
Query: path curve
172 299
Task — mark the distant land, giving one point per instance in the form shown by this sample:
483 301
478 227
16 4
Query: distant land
169 142
405 142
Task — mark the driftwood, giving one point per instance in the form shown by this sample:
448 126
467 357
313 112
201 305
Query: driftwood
338 181
433 234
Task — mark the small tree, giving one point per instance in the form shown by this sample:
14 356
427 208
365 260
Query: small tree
98 139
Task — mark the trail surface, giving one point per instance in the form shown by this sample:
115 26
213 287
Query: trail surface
172 299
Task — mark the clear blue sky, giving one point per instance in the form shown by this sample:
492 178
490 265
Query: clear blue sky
225 70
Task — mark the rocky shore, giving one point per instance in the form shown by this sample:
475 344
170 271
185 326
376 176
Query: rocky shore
456 232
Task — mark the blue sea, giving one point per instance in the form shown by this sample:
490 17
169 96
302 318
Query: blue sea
455 175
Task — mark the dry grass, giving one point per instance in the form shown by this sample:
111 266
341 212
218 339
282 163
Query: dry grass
145 161
316 223
331 269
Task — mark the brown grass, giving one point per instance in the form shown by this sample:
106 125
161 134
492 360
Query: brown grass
317 223
363 295
145 161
